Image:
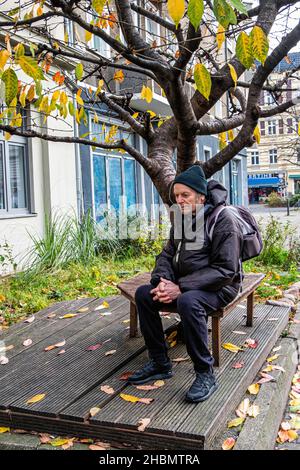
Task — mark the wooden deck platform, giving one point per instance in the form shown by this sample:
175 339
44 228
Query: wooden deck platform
71 381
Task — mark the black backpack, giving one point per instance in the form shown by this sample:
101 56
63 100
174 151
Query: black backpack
252 240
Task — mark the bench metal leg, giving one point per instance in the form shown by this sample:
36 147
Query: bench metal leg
250 303
216 340
133 321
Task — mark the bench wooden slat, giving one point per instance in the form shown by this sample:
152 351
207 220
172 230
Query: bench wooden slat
250 283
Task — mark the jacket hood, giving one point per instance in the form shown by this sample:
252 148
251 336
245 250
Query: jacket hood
216 195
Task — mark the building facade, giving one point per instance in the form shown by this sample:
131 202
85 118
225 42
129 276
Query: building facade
274 163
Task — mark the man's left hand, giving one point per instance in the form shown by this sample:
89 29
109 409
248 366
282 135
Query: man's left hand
169 294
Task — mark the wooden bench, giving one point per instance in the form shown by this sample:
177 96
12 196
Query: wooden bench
250 283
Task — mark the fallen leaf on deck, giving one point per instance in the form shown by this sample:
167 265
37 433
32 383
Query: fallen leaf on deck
107 389
266 378
69 315
143 423
241 306
135 399
61 352
231 347
180 359
102 306
285 425
272 319
104 314
99 446
228 443
253 411
109 353
36 398
83 309
3 430
94 411
69 444
44 438
295 423
251 343
30 319
172 335
126 321
6 348
146 387
58 442
51 315
253 389
94 347
159 383
239 332
235 422
125 375
4 360
53 346
273 358
276 349
238 365
295 402
284 436
243 408
27 342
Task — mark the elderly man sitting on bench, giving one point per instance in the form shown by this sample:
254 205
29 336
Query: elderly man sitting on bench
197 281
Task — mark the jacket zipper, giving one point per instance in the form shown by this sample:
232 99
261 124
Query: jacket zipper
178 252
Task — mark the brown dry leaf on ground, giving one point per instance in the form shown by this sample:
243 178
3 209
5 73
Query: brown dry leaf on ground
36 398
109 353
180 359
6 348
143 423
99 446
30 319
44 438
94 411
94 347
251 343
69 444
289 435
82 310
243 408
146 387
125 375
238 365
57 345
3 360
61 352
51 315
228 444
266 378
107 389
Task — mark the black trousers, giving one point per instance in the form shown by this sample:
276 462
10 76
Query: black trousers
193 307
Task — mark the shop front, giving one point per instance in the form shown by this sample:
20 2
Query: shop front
260 188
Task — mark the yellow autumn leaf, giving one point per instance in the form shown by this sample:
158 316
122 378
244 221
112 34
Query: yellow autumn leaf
235 422
233 74
202 80
58 442
254 389
159 383
100 86
259 44
176 10
83 309
230 134
272 358
105 304
7 135
228 443
4 55
78 97
3 430
152 113
119 76
36 398
220 36
295 402
256 134
68 315
88 36
231 347
299 128
293 435
243 50
146 94
130 398
135 115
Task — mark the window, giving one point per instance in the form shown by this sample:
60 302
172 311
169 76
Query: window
152 31
14 181
269 99
207 153
271 127
273 155
254 157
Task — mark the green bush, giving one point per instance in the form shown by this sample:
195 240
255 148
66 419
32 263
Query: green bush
294 199
274 200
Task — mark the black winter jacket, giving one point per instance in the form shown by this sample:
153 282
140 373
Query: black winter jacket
216 264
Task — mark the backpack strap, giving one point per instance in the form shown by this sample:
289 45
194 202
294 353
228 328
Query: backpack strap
212 220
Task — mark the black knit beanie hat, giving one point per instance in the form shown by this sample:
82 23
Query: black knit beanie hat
194 178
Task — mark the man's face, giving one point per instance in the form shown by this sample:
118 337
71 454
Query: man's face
187 198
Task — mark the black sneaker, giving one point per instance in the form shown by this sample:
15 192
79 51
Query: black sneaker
152 371
203 387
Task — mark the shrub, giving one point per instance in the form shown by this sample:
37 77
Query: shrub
274 200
